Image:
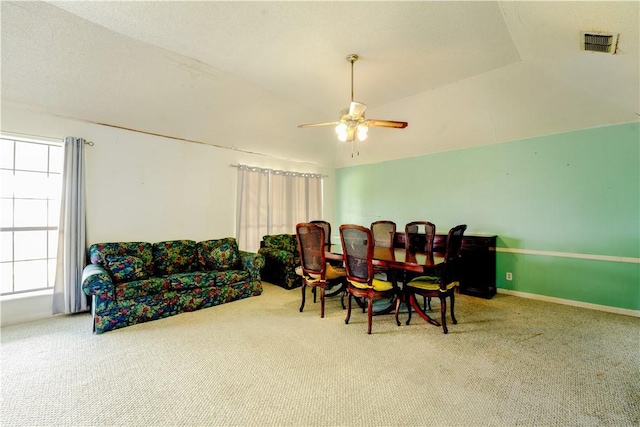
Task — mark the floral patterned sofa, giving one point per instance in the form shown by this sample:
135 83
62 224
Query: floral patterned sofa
134 282
281 257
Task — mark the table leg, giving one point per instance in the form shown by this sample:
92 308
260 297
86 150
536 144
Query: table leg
416 307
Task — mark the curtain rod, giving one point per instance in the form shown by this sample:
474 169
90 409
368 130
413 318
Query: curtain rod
256 167
30 136
38 137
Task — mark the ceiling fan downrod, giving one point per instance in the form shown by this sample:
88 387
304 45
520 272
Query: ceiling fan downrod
352 58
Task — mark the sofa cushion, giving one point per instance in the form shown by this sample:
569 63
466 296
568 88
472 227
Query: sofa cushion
220 254
284 258
230 277
98 253
193 280
125 268
285 242
140 288
174 256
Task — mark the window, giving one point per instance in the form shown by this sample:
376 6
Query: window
273 202
30 188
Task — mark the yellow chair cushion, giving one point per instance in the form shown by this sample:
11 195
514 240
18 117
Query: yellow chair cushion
377 285
334 272
429 283
330 273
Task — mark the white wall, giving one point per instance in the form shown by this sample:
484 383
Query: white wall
148 188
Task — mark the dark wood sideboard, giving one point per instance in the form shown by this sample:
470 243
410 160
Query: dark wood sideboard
478 276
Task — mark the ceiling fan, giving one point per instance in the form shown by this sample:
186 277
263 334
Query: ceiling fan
352 122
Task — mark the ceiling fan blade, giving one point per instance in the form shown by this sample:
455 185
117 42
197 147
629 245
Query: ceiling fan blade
356 109
386 124
318 124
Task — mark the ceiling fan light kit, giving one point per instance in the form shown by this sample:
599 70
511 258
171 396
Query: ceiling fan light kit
352 123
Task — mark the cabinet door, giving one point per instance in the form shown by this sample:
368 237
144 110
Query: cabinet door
478 275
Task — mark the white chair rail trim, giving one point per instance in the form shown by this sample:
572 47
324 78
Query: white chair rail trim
610 258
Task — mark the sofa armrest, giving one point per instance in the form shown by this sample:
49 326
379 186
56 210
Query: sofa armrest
282 257
252 262
279 267
97 282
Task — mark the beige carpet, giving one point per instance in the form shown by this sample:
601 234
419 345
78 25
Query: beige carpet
509 361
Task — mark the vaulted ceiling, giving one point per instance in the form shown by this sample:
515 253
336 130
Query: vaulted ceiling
243 75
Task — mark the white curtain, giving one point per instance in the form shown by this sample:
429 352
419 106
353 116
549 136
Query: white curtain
273 202
252 214
67 292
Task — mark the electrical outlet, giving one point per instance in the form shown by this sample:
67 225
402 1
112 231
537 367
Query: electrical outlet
509 276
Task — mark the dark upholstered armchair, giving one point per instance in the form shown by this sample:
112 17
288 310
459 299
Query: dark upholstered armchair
281 257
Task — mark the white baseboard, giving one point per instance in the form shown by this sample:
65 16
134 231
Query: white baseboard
609 309
27 307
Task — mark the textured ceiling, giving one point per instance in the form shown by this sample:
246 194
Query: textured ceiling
298 49
244 74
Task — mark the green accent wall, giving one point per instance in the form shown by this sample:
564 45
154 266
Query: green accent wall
576 192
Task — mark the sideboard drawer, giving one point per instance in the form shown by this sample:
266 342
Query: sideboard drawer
481 243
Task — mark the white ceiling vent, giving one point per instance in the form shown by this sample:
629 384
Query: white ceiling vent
599 42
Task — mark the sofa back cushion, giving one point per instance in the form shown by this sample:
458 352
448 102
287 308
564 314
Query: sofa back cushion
285 242
126 268
99 252
174 256
219 254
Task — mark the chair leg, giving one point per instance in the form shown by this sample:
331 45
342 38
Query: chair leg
349 296
314 294
398 300
322 302
303 296
429 303
443 312
344 292
407 301
370 315
453 301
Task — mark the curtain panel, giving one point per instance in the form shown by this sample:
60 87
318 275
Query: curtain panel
273 202
67 291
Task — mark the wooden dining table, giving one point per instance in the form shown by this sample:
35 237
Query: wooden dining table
396 258
401 263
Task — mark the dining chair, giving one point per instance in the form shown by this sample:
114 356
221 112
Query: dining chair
315 271
384 233
442 284
326 226
357 250
338 287
419 236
